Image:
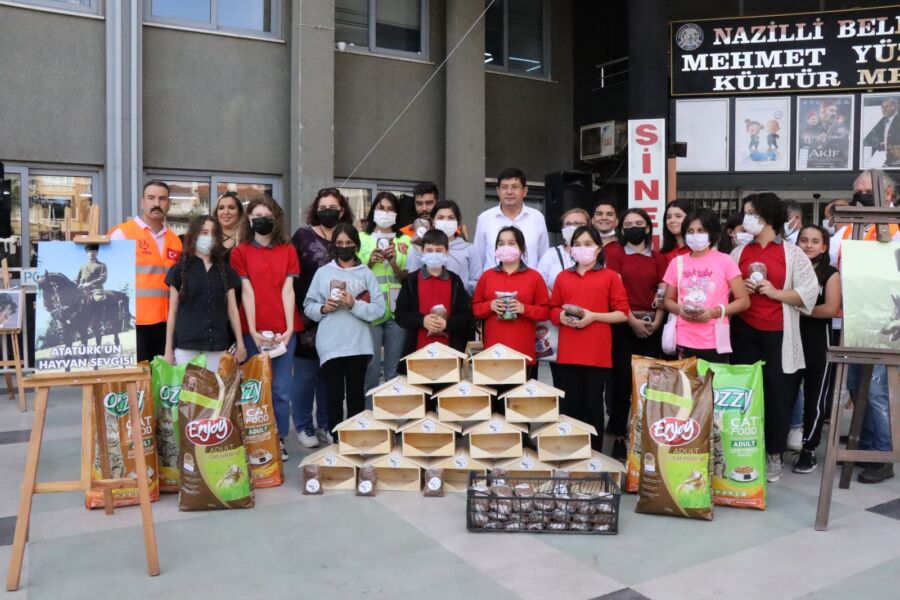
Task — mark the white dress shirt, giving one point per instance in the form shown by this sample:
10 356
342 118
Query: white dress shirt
529 221
159 237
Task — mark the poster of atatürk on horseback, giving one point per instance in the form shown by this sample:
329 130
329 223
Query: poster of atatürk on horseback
85 307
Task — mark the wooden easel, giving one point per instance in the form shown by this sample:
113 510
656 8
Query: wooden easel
91 409
16 362
842 357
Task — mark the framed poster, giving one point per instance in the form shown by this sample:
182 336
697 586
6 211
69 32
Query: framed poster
10 313
879 129
703 124
824 133
762 133
84 318
870 281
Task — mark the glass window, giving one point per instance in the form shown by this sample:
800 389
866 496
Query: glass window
227 15
187 199
48 198
245 191
83 6
359 198
11 219
516 36
392 26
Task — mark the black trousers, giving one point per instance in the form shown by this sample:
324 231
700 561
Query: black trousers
779 388
816 388
346 377
151 341
584 387
618 399
707 354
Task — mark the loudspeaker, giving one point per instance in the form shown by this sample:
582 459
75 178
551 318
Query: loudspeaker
679 149
565 190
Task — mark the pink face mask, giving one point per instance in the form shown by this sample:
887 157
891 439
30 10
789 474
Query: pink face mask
583 255
507 254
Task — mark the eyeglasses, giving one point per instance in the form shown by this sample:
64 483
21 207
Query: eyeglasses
510 188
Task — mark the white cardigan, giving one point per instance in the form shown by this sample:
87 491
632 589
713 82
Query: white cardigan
800 277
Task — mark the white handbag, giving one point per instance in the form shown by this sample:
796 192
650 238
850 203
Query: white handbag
668 334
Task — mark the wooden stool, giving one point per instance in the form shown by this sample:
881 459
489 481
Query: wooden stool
91 408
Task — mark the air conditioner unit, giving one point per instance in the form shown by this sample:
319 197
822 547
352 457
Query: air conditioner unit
602 140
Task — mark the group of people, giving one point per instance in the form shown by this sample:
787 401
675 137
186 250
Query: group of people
337 308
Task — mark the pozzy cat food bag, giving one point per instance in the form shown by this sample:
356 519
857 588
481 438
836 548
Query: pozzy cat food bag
119 443
165 382
675 445
739 451
640 368
259 431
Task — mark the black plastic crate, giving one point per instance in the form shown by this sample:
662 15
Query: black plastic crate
558 504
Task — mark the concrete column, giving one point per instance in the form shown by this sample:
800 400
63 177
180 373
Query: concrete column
648 39
312 104
124 144
464 146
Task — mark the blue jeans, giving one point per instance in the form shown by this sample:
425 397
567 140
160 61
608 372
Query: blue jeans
281 382
797 412
392 337
309 387
876 430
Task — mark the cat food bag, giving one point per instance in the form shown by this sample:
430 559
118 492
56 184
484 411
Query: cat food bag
676 445
165 382
214 472
739 451
259 432
368 481
640 366
119 444
434 482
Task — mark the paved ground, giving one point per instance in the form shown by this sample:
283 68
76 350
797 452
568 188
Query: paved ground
402 545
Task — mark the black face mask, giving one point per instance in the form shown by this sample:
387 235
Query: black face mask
345 253
634 235
864 199
329 217
262 225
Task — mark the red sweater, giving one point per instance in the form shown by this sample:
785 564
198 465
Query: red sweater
531 290
641 275
598 290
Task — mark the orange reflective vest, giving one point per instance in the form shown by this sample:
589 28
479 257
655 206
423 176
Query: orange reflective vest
152 293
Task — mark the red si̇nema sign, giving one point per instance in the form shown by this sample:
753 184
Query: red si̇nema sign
839 50
647 168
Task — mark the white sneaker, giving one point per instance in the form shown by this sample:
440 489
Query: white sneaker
306 440
324 437
795 439
774 465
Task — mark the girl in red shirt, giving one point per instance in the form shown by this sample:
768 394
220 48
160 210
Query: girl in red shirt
673 239
584 354
511 322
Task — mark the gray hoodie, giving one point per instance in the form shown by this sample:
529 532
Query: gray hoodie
344 332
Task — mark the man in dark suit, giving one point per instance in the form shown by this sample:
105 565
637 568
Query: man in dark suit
885 136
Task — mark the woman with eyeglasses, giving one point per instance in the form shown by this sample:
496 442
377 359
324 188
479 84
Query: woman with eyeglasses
313 245
267 264
344 298
229 214
385 249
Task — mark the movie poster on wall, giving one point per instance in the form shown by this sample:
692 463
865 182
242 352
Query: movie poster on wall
879 132
84 317
762 133
824 133
870 281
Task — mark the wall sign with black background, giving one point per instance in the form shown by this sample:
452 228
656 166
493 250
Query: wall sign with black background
821 52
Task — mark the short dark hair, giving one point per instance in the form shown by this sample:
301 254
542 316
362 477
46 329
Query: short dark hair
595 235
605 203
370 218
734 219
770 209
669 242
435 237
158 183
426 187
633 211
511 173
92 248
349 230
517 233
710 222
312 214
446 204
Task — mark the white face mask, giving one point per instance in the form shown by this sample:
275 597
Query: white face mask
447 226
752 224
384 218
742 238
567 232
204 244
697 241
607 234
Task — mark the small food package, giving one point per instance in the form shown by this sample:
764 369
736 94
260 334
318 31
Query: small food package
336 286
757 271
312 482
368 481
507 298
573 311
441 311
434 483
420 226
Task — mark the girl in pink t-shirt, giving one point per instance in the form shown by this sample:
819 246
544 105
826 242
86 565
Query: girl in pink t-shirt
697 288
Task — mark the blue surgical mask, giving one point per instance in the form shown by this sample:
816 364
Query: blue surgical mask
434 260
204 244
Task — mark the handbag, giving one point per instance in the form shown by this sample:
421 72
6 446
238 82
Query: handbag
668 334
723 334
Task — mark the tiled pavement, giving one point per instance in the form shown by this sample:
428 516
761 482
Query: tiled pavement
401 545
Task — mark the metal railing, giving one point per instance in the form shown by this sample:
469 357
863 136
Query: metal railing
611 73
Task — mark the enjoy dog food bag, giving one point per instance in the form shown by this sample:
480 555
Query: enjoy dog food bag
640 369
675 445
739 451
259 431
119 444
212 457
165 382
